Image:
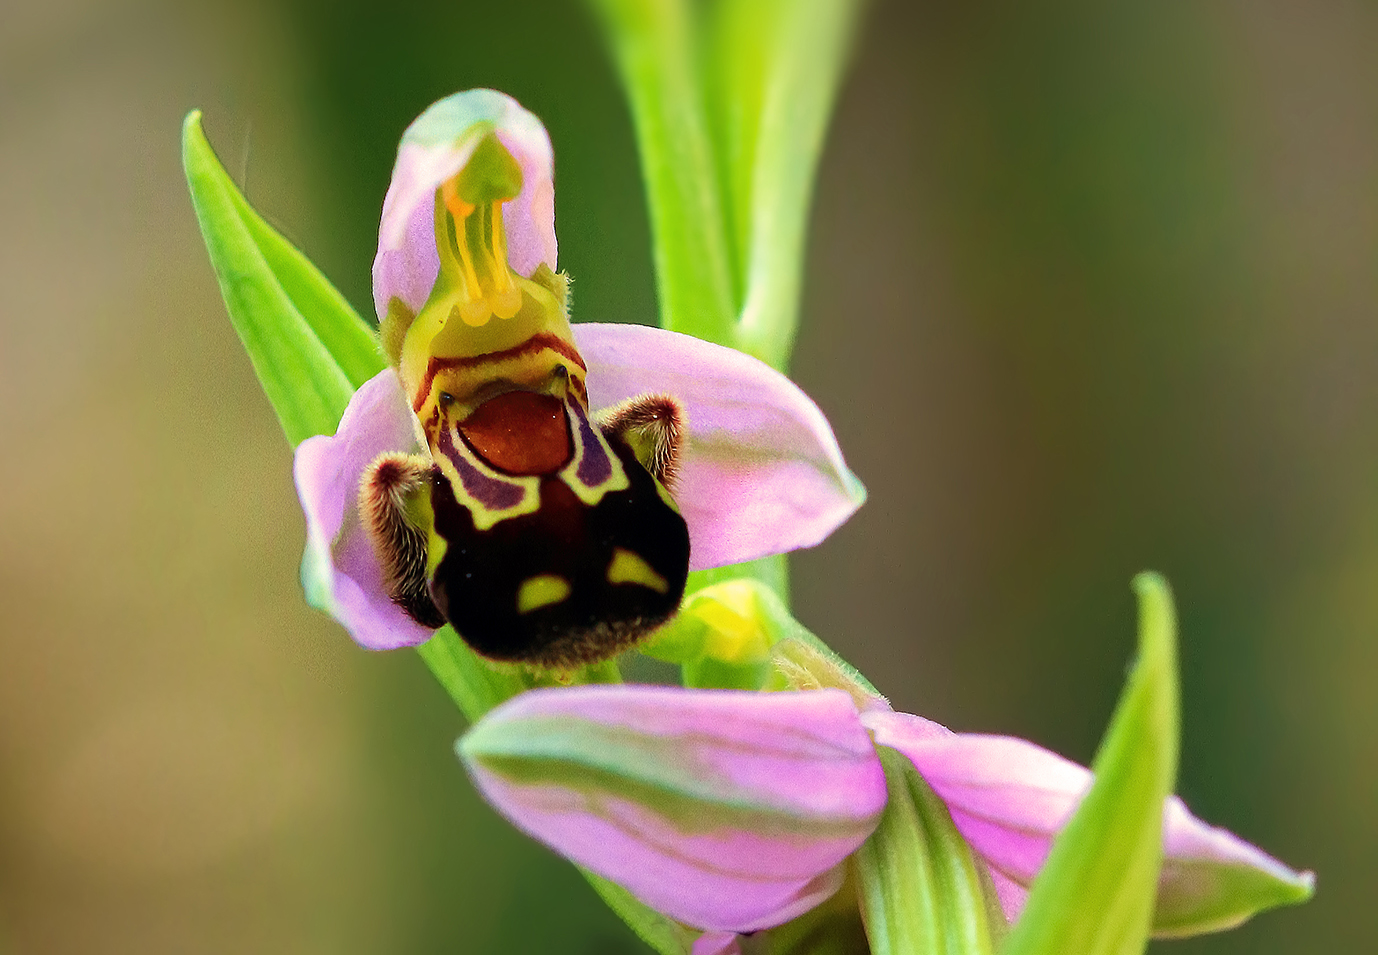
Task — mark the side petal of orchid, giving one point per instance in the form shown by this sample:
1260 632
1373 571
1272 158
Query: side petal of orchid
341 571
1009 798
761 471
435 147
730 811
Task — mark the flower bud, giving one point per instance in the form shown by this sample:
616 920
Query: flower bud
730 811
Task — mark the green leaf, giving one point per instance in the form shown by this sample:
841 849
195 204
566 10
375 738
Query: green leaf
772 76
653 43
308 347
922 892
1096 892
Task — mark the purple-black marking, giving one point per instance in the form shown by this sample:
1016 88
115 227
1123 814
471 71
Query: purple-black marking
492 493
594 466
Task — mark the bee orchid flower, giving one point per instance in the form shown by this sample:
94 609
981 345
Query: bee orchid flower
544 487
760 472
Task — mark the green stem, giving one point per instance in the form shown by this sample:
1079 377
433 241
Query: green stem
775 74
653 45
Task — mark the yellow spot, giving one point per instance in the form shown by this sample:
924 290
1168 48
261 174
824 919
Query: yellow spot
541 591
735 633
630 568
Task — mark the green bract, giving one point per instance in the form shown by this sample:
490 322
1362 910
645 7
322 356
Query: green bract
1095 893
308 347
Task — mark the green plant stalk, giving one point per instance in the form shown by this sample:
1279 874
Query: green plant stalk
773 74
652 44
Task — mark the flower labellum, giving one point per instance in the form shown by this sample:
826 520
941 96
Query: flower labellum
490 479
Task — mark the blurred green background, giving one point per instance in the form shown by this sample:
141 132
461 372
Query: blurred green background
1093 287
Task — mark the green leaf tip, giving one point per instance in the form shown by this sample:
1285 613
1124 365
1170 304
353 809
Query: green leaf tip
1095 895
308 347
1157 616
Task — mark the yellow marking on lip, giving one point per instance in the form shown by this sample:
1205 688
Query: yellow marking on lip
630 568
541 591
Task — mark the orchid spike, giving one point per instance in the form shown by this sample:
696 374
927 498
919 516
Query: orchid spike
717 807
543 487
547 488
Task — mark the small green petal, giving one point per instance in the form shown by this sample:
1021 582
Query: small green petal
922 892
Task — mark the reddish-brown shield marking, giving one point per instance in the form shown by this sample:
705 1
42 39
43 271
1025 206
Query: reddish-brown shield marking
520 433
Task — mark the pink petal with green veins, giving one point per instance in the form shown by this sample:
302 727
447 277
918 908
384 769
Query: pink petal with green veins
726 810
1010 798
435 147
341 571
761 472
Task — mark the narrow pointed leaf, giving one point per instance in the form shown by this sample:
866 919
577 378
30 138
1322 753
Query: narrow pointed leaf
1095 894
269 289
921 889
350 340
